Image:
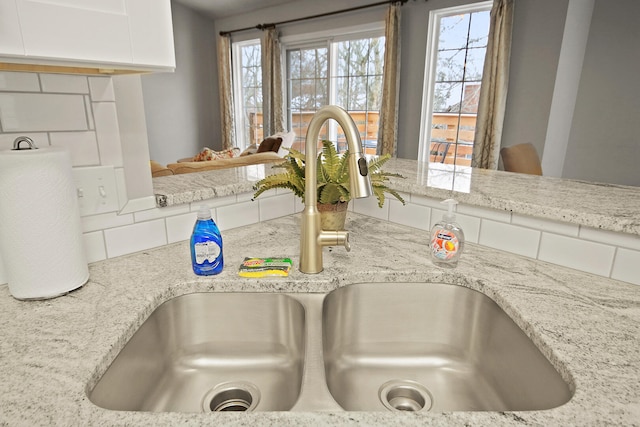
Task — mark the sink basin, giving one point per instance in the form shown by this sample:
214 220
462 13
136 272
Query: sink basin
210 352
426 346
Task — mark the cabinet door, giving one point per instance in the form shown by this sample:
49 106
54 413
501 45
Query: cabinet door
151 32
10 36
77 30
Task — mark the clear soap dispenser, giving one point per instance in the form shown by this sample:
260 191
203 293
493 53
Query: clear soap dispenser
447 239
206 245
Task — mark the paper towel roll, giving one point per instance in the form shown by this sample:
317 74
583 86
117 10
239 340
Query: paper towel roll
40 231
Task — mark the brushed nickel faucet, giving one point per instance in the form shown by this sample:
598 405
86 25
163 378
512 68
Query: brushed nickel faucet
312 237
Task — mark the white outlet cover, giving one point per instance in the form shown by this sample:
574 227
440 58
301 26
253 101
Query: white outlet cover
97 190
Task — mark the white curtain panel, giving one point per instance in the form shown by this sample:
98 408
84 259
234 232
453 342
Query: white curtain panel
493 93
388 128
226 91
272 91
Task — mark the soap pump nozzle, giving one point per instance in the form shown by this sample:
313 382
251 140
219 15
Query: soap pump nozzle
449 216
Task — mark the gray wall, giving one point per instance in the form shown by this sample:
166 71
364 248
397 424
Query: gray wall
604 144
181 107
538 26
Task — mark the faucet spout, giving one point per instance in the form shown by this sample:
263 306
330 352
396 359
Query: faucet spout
312 237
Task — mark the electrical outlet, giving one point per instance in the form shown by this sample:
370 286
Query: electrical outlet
96 189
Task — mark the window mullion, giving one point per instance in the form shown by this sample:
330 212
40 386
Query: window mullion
333 89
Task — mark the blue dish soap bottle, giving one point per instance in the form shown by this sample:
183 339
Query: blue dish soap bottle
206 245
447 239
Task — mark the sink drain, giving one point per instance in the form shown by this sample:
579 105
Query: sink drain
405 395
231 396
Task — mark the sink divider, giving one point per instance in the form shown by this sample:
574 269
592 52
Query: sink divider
314 393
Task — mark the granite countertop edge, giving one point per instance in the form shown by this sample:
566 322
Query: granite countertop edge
601 206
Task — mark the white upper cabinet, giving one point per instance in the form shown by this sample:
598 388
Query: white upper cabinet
118 34
10 35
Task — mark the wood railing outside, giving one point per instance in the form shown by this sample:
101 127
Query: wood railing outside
445 132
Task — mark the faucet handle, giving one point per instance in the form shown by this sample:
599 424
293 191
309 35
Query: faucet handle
345 241
335 238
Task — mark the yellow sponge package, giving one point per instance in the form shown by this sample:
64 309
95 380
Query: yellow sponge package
264 267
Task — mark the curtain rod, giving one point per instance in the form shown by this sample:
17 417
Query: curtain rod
321 15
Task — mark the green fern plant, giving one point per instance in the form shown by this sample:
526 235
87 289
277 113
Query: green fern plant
333 176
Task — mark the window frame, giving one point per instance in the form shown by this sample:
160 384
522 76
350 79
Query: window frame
326 38
426 114
238 103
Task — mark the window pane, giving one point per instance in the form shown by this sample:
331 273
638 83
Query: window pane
447 97
374 96
475 64
322 98
307 95
321 62
358 95
376 56
359 57
450 65
453 32
293 64
478 33
470 98
342 59
342 91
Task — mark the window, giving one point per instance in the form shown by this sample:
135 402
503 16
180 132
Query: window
247 78
456 48
345 71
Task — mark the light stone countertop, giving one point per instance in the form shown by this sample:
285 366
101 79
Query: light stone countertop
604 206
52 351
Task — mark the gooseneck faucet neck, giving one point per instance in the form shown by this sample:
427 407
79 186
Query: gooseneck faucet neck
312 237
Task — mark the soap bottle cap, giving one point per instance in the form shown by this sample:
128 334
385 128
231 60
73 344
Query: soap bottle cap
204 212
449 216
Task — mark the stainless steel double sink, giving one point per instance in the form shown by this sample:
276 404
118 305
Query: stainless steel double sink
362 347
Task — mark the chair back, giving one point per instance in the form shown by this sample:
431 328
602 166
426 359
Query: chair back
521 158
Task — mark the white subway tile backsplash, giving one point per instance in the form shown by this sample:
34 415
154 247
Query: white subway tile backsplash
91 124
626 266
64 83
19 82
104 221
509 238
493 214
122 188
36 112
275 206
574 253
545 225
238 215
425 201
150 214
411 215
135 237
631 241
101 89
108 133
94 246
180 227
245 197
82 146
215 202
369 206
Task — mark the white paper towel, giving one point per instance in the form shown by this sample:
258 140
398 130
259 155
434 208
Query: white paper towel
40 231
